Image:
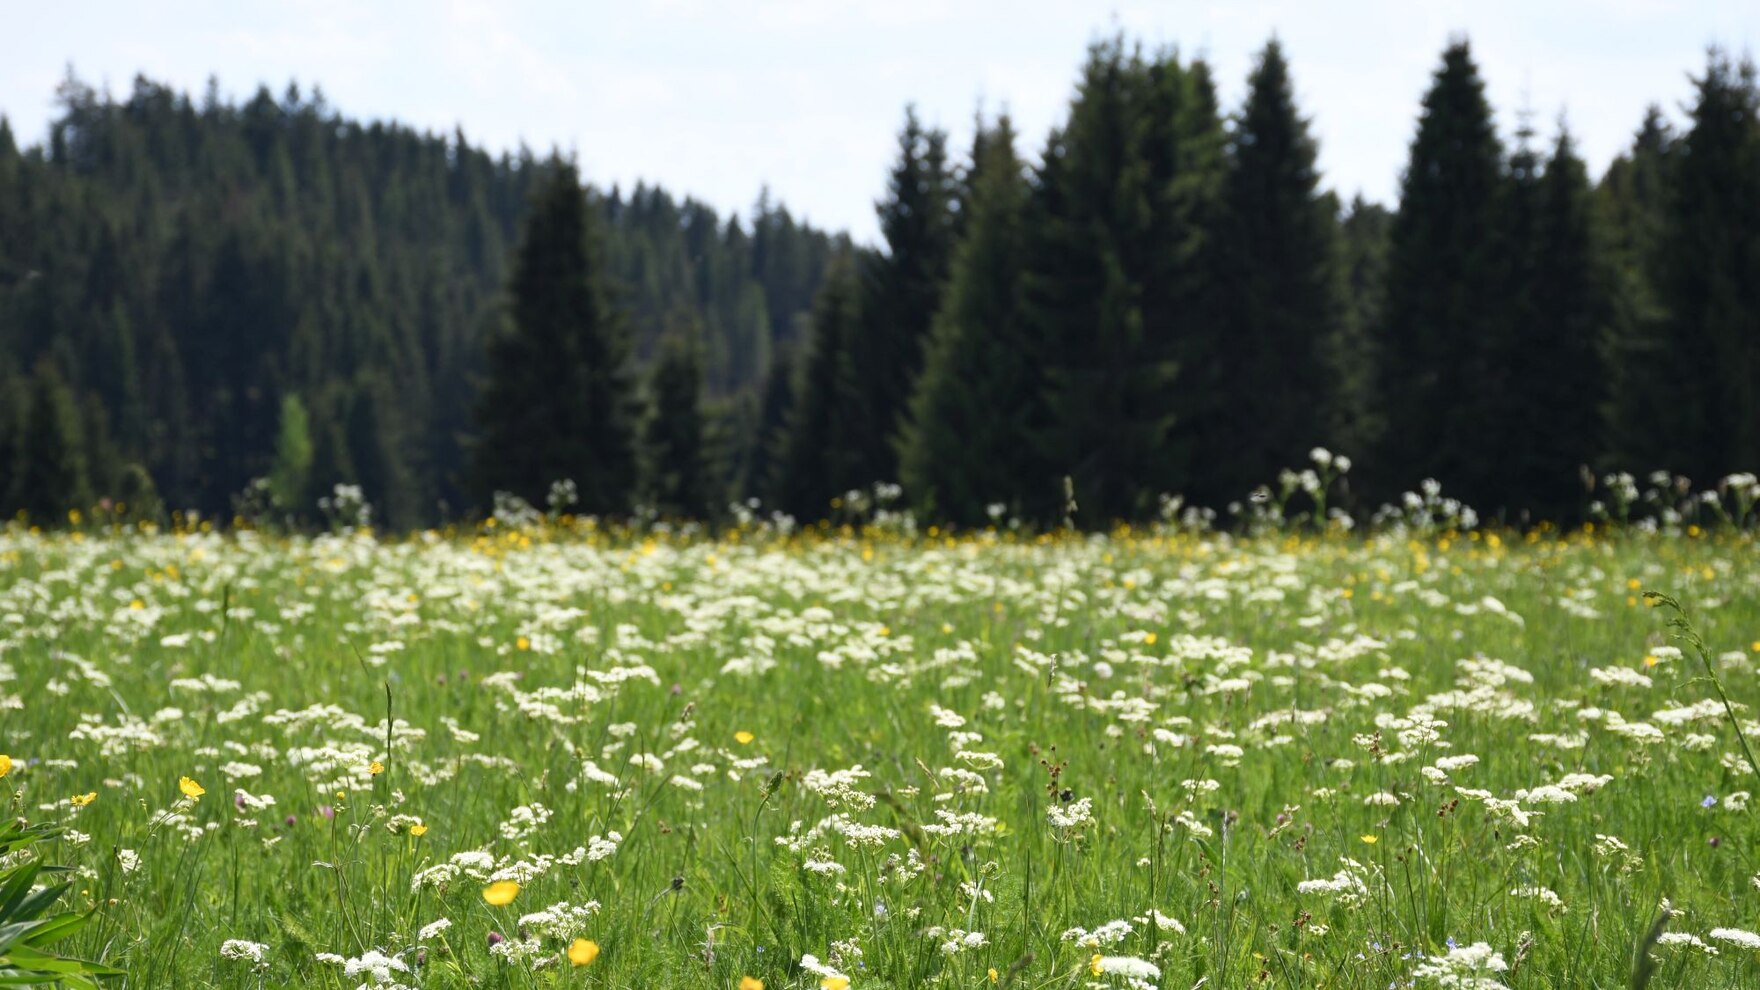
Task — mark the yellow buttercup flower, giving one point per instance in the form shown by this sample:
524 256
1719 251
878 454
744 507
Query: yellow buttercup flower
583 951
190 788
375 768
5 764
501 893
834 983
1148 639
993 974
418 830
743 737
1370 839
750 983
1094 965
81 800
523 643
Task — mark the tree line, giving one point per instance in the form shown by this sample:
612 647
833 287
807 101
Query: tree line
1168 301
196 294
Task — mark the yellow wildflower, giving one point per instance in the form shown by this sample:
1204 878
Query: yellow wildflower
1094 965
6 761
190 788
81 800
375 768
750 983
834 983
743 737
501 893
1370 839
583 951
418 830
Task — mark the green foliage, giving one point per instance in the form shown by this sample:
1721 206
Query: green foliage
290 479
558 402
1444 298
29 928
816 461
1283 305
1116 280
50 475
961 450
1706 393
675 470
188 263
901 290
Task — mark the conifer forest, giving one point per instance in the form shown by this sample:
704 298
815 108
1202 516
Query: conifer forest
229 309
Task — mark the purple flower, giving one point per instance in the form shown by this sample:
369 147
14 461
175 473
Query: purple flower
496 938
327 811
1709 802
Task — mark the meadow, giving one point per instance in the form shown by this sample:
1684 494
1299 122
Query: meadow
552 754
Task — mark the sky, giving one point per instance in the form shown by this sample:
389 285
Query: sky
718 98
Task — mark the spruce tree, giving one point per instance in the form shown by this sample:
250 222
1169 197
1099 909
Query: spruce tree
818 457
1117 281
558 400
676 477
1554 341
960 449
1443 291
1283 305
1706 398
1363 235
901 292
1632 202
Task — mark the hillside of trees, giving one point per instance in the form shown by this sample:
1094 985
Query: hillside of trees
180 279
232 308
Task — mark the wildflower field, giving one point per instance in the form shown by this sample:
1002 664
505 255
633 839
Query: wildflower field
559 756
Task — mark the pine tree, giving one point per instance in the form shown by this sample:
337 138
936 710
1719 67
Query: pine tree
1707 397
557 403
901 291
961 450
817 461
1443 291
676 477
1283 305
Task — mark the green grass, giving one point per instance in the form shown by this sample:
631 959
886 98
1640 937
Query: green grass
1226 711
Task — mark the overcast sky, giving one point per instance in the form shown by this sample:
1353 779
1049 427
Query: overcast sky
716 98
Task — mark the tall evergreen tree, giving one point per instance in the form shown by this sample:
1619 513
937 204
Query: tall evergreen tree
901 291
1363 236
977 397
1443 292
1708 401
675 472
1632 200
1283 305
818 457
557 402
1553 343
1116 274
